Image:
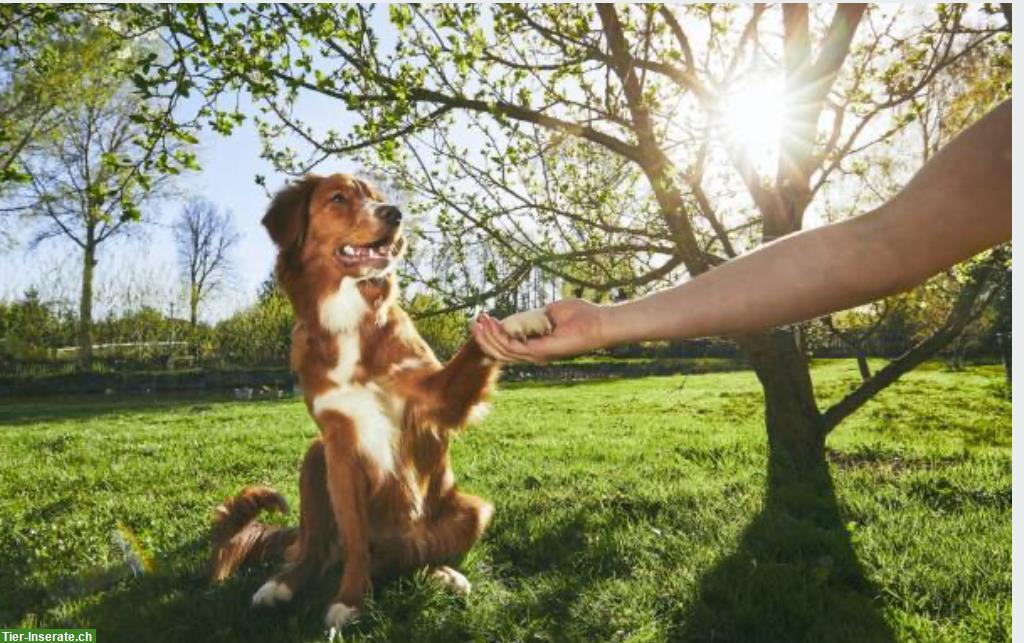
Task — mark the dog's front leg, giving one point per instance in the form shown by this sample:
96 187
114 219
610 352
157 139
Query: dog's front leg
463 383
348 487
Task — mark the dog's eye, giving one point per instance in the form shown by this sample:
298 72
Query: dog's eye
337 197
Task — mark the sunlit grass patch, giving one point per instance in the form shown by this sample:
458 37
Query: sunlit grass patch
633 510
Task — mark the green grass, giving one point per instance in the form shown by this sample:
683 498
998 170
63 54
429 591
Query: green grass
639 510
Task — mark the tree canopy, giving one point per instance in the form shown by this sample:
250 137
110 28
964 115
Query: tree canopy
591 142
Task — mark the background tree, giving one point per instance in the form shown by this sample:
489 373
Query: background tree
259 335
32 82
87 180
34 79
445 332
608 146
205 239
31 328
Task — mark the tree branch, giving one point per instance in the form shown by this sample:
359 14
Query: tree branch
677 31
520 113
983 285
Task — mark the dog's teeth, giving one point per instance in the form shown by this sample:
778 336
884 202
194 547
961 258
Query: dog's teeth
366 251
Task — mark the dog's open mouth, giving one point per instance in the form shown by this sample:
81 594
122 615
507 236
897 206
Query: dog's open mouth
375 255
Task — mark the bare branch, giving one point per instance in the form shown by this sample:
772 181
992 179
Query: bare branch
980 290
677 31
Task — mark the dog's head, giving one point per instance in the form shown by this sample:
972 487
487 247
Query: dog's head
336 226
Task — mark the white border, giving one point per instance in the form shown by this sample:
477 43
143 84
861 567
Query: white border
1018 308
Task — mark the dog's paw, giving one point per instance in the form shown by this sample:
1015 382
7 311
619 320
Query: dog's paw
338 616
452 579
271 593
529 323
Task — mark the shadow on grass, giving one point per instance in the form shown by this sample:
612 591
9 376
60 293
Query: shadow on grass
793 577
167 607
178 604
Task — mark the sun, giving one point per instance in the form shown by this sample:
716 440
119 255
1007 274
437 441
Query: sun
751 119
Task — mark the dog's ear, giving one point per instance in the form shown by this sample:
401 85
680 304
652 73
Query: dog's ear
288 215
370 190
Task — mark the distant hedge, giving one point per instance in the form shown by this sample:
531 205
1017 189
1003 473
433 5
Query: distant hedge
196 380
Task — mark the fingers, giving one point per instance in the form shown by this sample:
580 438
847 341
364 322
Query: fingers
488 342
507 348
493 340
521 350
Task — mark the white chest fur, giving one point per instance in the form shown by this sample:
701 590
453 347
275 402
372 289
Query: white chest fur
377 419
376 416
343 310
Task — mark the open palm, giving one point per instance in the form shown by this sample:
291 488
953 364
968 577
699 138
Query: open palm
577 329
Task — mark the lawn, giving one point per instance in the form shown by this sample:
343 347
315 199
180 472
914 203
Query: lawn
631 510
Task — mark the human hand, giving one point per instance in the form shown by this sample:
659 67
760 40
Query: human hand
579 326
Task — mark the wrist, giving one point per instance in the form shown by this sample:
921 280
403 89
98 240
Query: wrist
657 316
612 328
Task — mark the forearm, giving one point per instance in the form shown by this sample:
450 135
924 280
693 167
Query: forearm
796 278
957 205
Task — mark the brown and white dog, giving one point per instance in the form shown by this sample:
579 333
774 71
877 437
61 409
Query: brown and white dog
376 489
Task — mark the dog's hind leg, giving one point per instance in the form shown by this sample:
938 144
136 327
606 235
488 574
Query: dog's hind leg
444 536
306 558
461 521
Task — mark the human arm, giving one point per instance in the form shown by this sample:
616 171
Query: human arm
955 206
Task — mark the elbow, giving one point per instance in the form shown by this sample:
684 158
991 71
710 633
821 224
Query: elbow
882 257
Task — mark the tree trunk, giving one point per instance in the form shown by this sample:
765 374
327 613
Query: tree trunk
796 431
959 347
193 305
85 306
862 364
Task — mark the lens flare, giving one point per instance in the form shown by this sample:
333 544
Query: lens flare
751 119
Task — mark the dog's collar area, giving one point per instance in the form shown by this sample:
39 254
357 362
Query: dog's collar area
377 281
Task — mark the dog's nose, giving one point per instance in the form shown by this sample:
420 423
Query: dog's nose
390 214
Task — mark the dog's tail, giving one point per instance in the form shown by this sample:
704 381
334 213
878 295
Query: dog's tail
236 537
